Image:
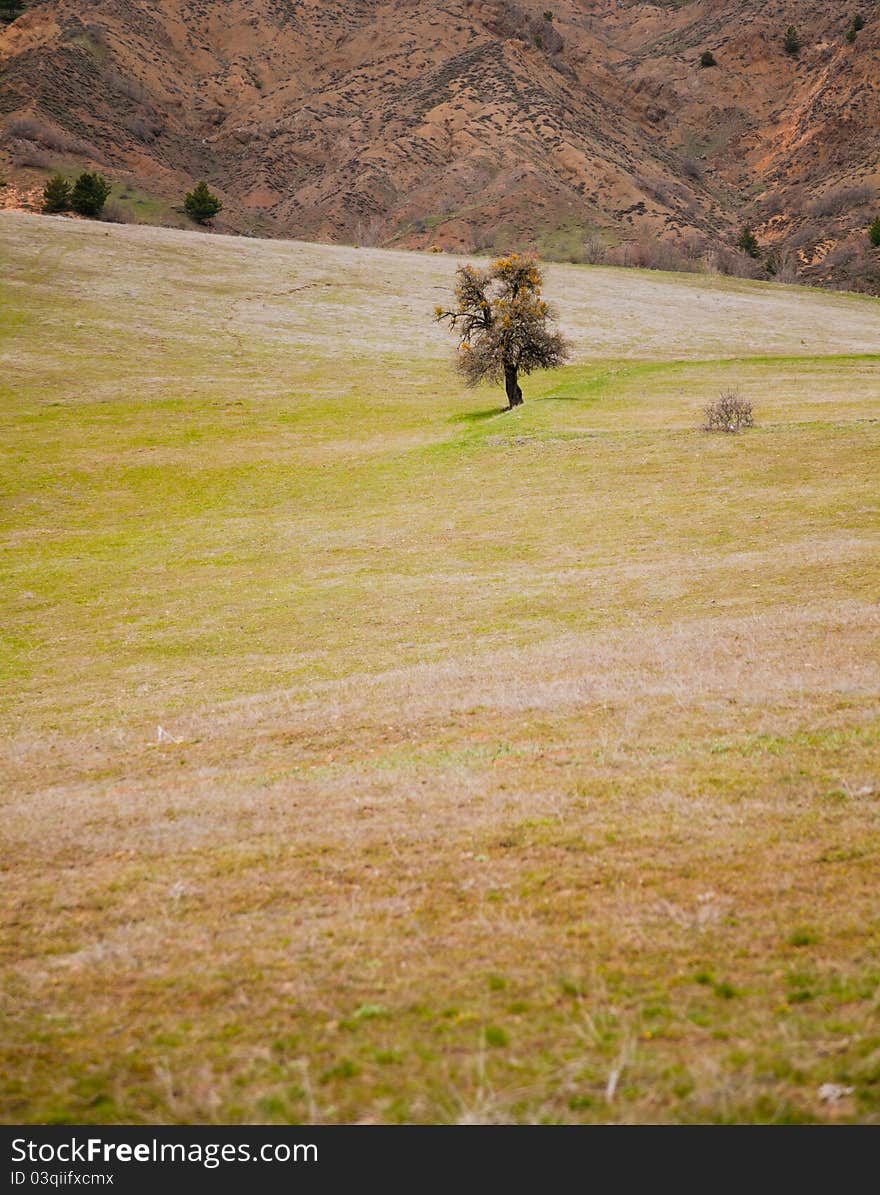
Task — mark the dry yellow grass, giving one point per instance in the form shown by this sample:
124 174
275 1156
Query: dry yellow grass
511 767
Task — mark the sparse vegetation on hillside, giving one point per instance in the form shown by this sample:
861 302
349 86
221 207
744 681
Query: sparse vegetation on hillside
504 325
453 188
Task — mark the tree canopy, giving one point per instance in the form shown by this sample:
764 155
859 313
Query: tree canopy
56 194
201 203
89 194
10 9
503 324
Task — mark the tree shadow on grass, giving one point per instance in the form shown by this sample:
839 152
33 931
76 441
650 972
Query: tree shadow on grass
478 416
559 398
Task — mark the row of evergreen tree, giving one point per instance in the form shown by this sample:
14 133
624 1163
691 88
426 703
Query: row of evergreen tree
88 194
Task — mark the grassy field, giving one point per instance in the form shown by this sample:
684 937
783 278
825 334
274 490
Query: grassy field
374 755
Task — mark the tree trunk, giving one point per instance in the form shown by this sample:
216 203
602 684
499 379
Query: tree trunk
512 386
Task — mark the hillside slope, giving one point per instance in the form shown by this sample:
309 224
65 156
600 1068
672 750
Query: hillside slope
469 124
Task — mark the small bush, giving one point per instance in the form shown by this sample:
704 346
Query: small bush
56 195
792 41
730 412
143 128
656 188
114 213
707 58
851 35
874 233
782 264
858 22
808 235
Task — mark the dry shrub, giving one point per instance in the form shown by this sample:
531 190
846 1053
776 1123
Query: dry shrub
31 128
733 264
840 199
25 154
649 254
143 128
854 265
730 412
807 235
657 188
693 168
114 213
368 233
593 250
125 85
783 265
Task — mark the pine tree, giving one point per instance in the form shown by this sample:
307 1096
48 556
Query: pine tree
874 233
201 204
707 58
792 41
56 195
10 9
748 242
89 194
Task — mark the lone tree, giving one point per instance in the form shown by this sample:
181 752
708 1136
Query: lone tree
503 324
56 194
89 194
748 242
874 233
792 41
201 204
707 58
10 9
